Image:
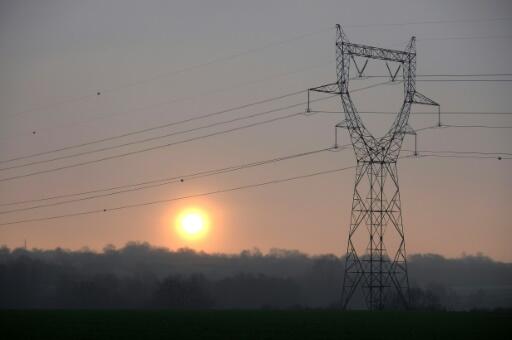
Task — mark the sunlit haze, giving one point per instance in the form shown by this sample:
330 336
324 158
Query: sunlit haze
193 224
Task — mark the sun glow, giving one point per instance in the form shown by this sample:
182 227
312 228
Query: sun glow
192 224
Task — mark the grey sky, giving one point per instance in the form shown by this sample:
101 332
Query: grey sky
51 51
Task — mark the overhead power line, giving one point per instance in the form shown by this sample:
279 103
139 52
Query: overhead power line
491 77
426 75
158 146
149 139
178 99
156 127
151 184
234 56
466 80
477 126
464 156
178 71
458 152
253 50
463 37
211 193
183 141
150 148
429 22
168 144
162 126
110 191
423 113
469 37
465 75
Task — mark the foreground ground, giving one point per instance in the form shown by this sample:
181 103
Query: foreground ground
253 325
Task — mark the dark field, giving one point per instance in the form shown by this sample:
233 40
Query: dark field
253 325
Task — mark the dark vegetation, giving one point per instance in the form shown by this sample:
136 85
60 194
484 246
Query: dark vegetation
251 324
139 276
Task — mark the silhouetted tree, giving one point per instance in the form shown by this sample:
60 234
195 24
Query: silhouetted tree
256 291
176 292
141 276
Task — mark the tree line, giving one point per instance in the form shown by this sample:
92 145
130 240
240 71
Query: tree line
141 276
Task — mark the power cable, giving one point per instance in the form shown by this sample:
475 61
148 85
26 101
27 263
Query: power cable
175 72
178 99
461 152
465 75
470 37
165 181
477 126
167 135
422 113
210 193
466 80
464 156
156 127
426 75
149 149
206 116
145 140
257 49
428 22
153 183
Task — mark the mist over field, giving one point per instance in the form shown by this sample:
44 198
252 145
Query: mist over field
141 276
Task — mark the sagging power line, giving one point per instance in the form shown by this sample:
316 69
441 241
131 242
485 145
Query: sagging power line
111 191
210 193
178 71
156 127
249 51
165 145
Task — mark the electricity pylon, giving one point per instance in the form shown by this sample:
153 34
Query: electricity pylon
376 200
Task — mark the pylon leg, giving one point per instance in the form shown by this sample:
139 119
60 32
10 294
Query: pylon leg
381 278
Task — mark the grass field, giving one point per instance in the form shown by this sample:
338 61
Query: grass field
253 325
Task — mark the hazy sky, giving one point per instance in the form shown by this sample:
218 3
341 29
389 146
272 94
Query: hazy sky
53 52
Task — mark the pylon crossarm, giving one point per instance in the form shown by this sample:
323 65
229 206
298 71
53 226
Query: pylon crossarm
391 74
360 70
366 144
418 98
373 52
408 130
331 88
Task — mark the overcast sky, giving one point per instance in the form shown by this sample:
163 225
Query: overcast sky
156 62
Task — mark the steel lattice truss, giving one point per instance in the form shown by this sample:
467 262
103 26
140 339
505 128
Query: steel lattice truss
381 275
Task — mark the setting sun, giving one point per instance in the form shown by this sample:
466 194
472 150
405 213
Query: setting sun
192 224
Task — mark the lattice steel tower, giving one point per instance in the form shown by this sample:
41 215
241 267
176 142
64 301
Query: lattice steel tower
380 274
